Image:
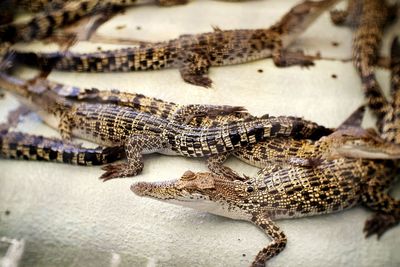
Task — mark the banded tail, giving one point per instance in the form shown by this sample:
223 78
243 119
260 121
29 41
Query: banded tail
17 145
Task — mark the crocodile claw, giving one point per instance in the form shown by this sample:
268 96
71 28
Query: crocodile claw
379 224
119 170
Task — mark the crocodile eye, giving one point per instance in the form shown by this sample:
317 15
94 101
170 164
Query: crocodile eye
250 189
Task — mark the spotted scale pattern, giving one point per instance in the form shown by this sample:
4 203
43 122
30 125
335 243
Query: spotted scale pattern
113 125
392 117
368 18
194 54
289 189
194 114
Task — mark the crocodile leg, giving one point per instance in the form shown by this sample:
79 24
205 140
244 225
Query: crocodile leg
134 148
194 67
278 243
345 17
215 164
388 211
285 58
65 126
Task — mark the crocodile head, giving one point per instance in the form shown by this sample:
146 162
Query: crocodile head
202 191
356 142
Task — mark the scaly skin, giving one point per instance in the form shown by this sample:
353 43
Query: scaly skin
282 193
298 180
143 133
63 96
392 117
258 155
368 19
139 132
61 13
194 114
194 54
17 145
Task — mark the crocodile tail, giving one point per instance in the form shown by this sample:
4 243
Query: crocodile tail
44 61
374 95
391 124
159 56
17 145
364 59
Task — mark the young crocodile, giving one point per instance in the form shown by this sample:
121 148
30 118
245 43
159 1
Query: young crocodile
259 154
112 125
368 19
194 54
288 192
298 180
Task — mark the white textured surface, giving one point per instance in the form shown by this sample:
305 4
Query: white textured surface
69 218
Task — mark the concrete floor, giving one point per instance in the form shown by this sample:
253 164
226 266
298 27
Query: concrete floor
69 218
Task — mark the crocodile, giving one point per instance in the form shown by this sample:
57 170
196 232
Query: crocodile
287 192
257 155
193 114
194 54
299 178
368 19
140 132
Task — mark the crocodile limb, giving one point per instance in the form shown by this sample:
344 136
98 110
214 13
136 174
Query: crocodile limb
368 19
193 55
